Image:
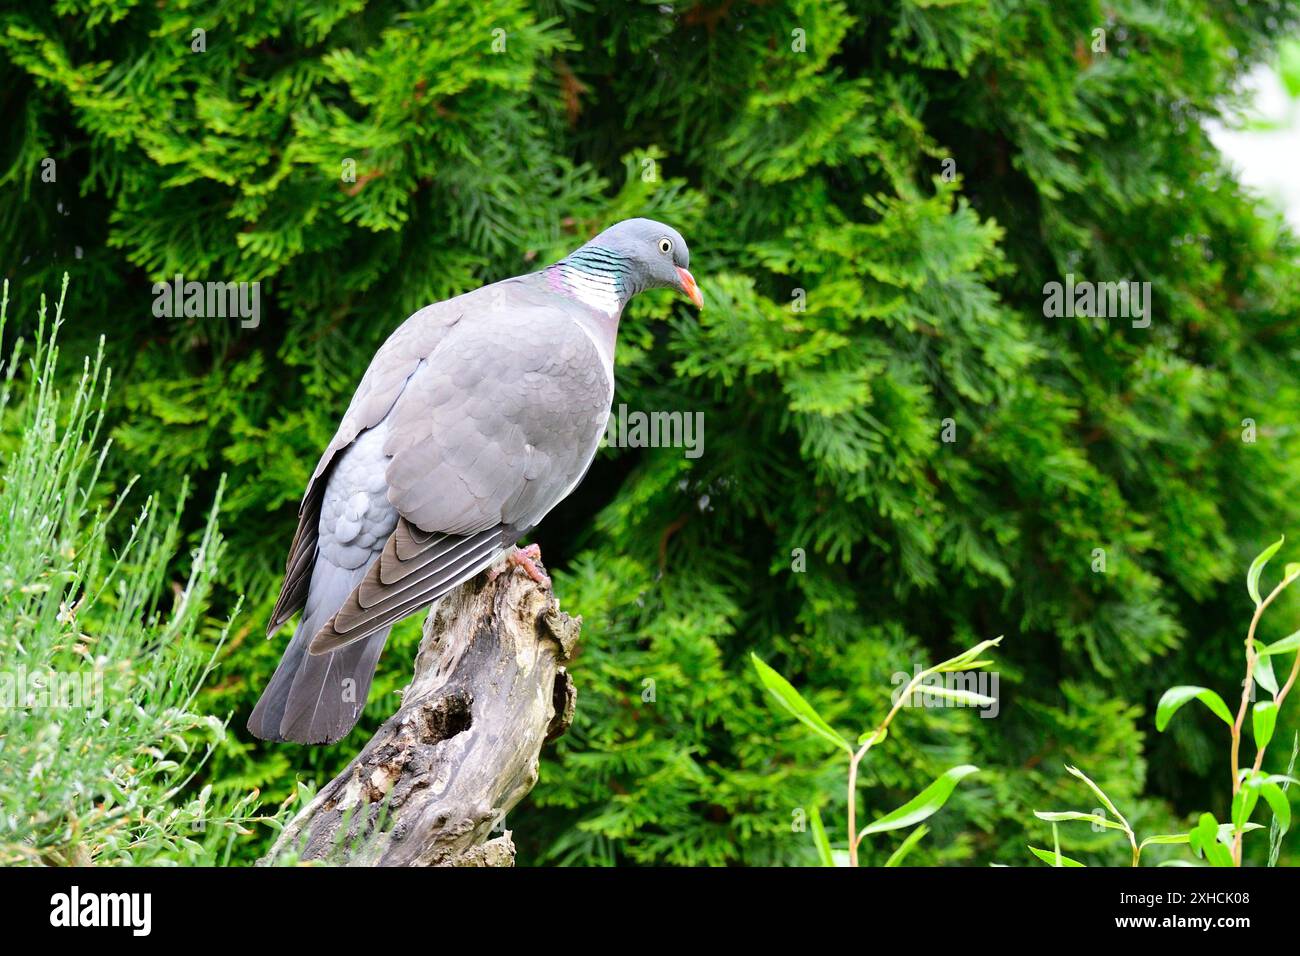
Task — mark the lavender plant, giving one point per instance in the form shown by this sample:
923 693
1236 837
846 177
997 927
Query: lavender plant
102 648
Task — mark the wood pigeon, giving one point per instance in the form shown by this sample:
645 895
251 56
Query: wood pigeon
475 418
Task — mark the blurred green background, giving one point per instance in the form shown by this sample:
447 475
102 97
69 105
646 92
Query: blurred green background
875 195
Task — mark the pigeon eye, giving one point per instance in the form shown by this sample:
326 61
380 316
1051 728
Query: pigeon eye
666 245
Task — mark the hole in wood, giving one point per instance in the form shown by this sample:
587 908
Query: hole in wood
445 717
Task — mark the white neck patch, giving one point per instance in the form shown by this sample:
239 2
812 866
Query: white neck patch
599 292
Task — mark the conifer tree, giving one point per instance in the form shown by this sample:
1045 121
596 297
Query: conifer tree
904 452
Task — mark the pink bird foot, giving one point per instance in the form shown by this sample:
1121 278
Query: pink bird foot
524 558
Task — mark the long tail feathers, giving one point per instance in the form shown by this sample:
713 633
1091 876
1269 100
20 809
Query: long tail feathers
318 699
320 687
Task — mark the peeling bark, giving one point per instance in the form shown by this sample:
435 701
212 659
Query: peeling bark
439 776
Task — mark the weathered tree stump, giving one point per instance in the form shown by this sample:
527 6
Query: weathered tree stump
439 776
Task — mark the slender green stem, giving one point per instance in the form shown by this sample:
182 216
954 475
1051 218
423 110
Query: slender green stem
1252 656
853 803
877 735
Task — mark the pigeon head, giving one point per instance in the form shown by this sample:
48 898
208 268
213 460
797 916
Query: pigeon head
656 253
630 257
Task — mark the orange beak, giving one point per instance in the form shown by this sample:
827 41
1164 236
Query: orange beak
690 288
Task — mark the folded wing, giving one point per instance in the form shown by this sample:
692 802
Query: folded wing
487 436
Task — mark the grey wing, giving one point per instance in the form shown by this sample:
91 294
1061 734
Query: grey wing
388 373
489 435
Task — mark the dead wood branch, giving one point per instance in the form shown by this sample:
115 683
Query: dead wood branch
438 777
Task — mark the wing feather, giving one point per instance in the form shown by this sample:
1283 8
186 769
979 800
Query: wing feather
410 540
393 365
302 558
394 586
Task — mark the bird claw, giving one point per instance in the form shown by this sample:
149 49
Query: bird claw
524 558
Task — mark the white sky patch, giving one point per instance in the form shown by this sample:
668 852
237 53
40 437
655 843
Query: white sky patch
1263 146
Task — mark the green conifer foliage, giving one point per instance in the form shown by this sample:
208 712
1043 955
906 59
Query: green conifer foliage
903 453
